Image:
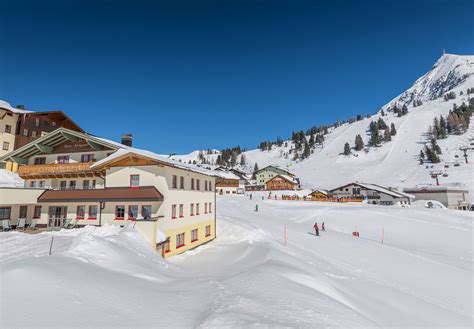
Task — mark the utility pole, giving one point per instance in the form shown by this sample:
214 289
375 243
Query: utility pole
465 149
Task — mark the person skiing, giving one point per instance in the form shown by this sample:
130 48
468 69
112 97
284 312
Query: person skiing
256 207
322 227
316 228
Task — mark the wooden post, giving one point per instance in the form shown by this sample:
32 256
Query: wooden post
51 245
383 231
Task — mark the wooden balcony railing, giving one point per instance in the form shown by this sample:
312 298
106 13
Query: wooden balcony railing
57 170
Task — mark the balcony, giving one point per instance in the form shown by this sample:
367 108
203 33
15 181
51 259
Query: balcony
58 170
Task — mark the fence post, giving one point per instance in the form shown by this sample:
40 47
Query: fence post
383 231
51 245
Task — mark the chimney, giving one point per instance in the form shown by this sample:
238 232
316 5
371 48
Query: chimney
127 139
20 106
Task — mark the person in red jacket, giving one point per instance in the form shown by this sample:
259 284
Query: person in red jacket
316 228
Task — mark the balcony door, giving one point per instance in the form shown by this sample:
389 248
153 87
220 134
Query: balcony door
57 215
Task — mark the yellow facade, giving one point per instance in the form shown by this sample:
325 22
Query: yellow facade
188 244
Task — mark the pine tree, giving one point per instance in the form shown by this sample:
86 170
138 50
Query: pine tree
442 128
386 135
307 150
243 161
374 134
422 154
255 169
347 149
359 143
393 131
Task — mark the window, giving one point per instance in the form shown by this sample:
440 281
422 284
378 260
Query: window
33 184
46 122
62 185
166 245
6 146
181 182
175 182
205 185
192 209
72 184
179 240
40 161
210 207
132 212
87 157
53 123
23 211
37 212
192 183
85 184
208 230
81 211
63 159
92 212
197 208
134 180
146 212
205 208
181 211
34 133
210 186
8 129
5 212
93 183
41 184
198 187
173 211
37 122
119 212
194 235
25 132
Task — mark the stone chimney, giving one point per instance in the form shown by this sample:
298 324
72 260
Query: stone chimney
20 106
127 139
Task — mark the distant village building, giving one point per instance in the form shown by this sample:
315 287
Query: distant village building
19 127
263 175
73 178
281 182
451 198
230 181
374 194
320 194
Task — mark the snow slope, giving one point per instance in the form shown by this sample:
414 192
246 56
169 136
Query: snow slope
104 277
9 179
394 163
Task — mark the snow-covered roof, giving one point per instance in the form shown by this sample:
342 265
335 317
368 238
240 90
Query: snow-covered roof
434 189
6 106
384 190
285 177
276 167
125 150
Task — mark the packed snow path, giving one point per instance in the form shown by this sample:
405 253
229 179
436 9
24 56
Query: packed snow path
420 276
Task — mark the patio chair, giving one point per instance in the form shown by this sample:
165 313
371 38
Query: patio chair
67 222
21 223
6 225
34 221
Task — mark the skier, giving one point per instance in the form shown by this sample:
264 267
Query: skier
256 207
316 228
322 227
250 196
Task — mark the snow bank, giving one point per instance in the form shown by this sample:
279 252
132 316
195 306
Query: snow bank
9 179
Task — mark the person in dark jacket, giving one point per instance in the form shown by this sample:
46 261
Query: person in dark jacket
316 229
322 227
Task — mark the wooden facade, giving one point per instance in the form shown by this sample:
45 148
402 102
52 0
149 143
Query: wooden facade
280 183
59 170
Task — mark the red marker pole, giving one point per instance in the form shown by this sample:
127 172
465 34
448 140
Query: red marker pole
383 231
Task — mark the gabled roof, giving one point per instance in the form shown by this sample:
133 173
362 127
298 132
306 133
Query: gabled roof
45 144
278 168
285 177
143 193
144 154
6 106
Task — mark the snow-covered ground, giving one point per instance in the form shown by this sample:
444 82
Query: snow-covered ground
421 276
9 179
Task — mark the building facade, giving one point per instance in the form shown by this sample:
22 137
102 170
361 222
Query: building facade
451 198
263 175
81 179
280 182
374 194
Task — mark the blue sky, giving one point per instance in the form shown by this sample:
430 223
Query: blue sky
184 75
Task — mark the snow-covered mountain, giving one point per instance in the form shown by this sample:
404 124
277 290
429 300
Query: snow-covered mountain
394 163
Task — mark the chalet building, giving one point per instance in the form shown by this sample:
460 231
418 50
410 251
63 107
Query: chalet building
374 194
452 198
319 194
263 175
19 127
230 181
281 182
76 178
